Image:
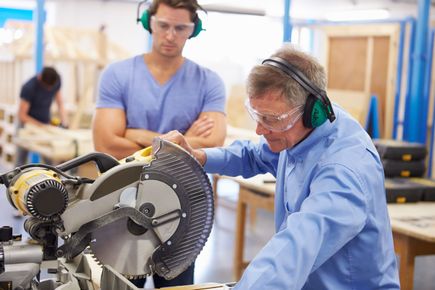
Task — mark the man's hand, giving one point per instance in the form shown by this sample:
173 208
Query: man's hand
201 127
178 138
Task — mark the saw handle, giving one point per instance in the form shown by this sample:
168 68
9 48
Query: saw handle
103 161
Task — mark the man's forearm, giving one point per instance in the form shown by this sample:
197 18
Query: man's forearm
201 142
141 137
64 118
144 138
118 147
30 120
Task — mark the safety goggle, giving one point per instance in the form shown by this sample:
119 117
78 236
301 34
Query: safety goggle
275 123
162 26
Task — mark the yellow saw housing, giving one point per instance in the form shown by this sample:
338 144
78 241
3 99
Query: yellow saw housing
26 193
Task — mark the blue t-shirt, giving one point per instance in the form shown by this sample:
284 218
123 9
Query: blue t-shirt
175 105
39 98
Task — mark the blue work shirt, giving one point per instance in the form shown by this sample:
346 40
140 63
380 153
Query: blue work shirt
332 225
39 98
174 105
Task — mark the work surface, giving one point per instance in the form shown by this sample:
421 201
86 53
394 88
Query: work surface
414 219
55 143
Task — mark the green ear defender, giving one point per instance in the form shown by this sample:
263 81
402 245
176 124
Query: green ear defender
314 113
145 19
317 107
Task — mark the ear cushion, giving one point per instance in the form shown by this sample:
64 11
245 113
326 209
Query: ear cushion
197 28
145 20
314 113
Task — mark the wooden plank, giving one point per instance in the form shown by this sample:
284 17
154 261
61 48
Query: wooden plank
379 76
356 30
355 103
236 112
54 142
370 70
347 73
391 80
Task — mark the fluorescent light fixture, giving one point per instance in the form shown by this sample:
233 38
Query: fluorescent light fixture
358 14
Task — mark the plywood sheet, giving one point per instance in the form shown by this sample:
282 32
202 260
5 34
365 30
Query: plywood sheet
354 102
55 143
236 112
347 63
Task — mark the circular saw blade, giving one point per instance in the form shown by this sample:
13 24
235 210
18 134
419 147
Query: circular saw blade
175 193
129 253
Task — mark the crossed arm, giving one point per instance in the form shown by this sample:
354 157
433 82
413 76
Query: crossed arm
111 135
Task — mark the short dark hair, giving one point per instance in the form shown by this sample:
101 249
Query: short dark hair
191 5
49 76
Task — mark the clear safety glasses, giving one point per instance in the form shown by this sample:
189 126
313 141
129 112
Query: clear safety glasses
162 26
273 122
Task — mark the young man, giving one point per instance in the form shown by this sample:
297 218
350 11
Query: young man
151 94
36 97
332 225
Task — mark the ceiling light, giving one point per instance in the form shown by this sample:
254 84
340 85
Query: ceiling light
351 15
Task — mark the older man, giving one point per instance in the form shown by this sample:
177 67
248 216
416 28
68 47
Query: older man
332 225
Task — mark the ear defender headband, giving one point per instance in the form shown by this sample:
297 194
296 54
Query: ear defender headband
145 19
318 107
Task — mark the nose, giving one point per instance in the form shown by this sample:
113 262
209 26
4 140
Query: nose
171 33
260 130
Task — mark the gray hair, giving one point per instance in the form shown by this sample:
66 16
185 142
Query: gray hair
264 78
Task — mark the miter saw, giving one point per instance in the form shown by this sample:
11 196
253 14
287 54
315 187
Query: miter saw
149 213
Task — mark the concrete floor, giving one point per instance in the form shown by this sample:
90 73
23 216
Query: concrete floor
215 263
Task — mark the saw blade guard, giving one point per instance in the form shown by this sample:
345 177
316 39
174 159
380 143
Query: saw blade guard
196 197
175 195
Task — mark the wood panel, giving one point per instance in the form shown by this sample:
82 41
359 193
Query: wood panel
347 63
379 75
363 58
355 103
237 115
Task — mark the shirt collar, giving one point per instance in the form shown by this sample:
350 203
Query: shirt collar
319 134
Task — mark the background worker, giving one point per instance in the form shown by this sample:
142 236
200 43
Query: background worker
36 98
153 93
331 220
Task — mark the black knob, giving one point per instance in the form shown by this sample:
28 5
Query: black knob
129 159
5 234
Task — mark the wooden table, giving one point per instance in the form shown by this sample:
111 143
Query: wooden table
413 226
414 235
255 193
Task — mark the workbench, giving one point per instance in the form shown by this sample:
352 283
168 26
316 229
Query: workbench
55 143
